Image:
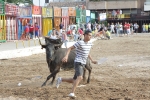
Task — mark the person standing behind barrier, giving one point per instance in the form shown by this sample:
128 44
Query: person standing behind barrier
149 27
117 29
131 28
64 38
146 28
143 27
36 30
31 30
26 30
136 26
61 27
112 28
121 29
125 28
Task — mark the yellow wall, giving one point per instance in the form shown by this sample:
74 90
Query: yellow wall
2 28
47 12
47 25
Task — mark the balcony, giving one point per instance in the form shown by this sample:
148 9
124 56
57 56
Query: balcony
67 3
111 4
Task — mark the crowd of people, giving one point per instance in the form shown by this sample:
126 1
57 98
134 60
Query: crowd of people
30 31
74 32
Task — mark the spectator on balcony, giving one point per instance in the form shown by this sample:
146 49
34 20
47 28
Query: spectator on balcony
118 13
114 14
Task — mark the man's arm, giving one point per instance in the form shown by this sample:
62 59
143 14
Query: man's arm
65 59
94 62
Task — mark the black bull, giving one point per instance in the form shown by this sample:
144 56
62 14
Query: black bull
54 56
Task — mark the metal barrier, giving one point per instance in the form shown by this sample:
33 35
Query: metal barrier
11 33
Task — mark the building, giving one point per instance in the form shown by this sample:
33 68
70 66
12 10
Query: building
129 10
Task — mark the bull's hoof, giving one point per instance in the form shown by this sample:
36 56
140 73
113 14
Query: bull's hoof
44 84
50 84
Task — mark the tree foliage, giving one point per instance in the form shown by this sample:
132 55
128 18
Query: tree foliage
21 1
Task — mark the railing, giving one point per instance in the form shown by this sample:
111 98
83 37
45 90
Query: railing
127 16
68 1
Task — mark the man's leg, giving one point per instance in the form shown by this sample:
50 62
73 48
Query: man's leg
76 82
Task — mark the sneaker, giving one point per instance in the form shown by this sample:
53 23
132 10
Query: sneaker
59 80
72 95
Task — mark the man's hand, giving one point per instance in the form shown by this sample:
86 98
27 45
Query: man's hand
94 62
65 59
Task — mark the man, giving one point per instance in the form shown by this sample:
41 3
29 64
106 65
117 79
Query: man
82 53
61 27
31 30
36 30
136 26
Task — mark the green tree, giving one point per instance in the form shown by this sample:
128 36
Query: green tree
29 2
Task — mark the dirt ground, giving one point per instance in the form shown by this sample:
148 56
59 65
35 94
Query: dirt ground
125 75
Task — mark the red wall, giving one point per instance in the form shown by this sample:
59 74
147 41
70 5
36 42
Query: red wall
36 10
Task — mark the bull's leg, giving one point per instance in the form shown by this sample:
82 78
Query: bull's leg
51 75
89 76
84 75
53 79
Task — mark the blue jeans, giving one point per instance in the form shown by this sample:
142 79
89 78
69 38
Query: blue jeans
36 33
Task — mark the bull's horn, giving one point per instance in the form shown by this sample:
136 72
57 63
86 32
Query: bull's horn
39 41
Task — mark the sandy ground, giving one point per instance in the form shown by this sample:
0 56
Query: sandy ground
125 75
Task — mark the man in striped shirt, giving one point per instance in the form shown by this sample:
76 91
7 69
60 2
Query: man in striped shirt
82 53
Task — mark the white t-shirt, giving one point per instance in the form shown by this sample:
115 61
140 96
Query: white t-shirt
120 11
112 26
53 37
121 27
82 51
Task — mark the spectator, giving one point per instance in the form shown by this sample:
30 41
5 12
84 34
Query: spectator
31 30
136 26
64 38
36 30
61 26
53 35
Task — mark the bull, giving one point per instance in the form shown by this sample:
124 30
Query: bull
54 56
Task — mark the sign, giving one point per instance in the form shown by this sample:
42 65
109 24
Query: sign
93 15
25 11
47 12
11 9
102 16
36 10
87 12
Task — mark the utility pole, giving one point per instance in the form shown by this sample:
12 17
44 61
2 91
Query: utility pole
39 2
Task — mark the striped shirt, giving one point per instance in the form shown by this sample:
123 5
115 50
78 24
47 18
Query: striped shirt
82 51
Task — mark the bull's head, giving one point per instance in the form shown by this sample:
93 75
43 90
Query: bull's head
50 50
50 46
